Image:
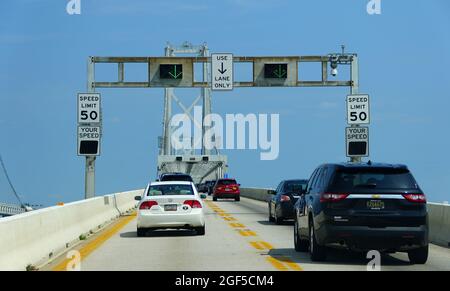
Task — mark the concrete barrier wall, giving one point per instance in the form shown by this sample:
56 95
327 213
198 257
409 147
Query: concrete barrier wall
33 238
256 193
439 216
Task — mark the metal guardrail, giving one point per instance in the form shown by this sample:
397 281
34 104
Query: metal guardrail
10 209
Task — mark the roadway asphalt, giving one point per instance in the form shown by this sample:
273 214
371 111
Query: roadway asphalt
238 237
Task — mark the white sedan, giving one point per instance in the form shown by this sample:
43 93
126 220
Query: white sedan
170 205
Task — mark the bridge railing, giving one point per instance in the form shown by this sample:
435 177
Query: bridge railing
438 215
7 209
34 238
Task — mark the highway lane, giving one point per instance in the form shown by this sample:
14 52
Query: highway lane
238 237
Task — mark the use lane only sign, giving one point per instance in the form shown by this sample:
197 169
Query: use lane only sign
358 109
222 72
89 108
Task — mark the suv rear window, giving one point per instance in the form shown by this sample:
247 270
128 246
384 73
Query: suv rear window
227 182
350 180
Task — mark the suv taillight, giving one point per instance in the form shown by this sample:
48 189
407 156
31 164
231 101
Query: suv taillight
146 205
193 203
332 197
285 198
417 198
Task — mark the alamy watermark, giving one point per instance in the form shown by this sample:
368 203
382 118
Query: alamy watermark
375 261
236 128
75 261
73 7
374 7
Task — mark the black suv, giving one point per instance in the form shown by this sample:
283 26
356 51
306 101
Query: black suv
362 207
175 177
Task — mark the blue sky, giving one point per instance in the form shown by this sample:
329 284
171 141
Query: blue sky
404 66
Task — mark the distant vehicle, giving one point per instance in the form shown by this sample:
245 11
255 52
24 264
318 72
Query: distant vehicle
202 188
281 204
209 185
175 177
226 189
170 205
362 207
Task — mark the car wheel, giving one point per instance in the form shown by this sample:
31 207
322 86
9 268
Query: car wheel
300 245
271 219
141 232
200 230
318 253
418 256
214 198
237 199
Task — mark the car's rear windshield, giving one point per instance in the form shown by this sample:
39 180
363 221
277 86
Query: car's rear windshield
227 182
161 190
295 185
351 180
184 178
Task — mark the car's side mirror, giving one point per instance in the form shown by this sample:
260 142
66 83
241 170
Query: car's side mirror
271 192
157 180
203 196
138 198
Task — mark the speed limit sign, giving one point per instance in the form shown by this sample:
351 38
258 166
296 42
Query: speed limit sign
358 109
89 108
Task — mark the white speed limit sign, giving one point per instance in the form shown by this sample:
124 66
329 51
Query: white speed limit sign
358 109
89 108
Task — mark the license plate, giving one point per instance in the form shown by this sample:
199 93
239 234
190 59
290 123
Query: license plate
227 190
170 207
376 205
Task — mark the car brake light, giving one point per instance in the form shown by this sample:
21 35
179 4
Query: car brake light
285 198
418 198
193 203
147 205
329 197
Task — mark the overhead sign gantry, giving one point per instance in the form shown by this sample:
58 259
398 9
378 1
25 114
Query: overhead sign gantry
171 72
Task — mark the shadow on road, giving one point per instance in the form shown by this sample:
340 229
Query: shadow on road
160 233
268 223
337 257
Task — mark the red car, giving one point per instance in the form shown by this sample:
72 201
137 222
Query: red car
226 188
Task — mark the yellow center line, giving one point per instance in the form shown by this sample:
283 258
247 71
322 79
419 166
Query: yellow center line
280 263
277 264
237 225
261 245
87 249
247 232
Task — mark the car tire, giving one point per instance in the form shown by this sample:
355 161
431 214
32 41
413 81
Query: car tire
237 199
418 256
300 245
201 230
141 232
271 219
318 253
278 220
214 199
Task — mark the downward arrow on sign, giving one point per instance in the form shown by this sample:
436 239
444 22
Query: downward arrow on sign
222 71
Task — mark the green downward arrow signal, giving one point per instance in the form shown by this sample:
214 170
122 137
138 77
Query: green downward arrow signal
174 74
280 73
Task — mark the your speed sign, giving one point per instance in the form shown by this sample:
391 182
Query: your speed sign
89 108
358 109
